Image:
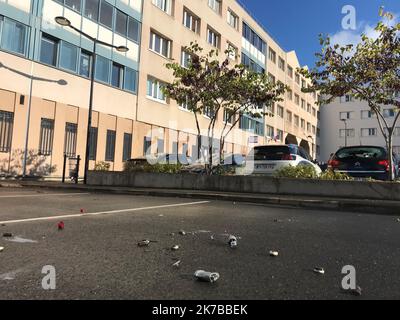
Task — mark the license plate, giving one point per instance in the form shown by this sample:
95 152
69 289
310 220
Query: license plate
265 166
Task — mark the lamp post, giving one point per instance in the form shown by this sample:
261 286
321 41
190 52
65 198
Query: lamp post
345 132
312 144
64 22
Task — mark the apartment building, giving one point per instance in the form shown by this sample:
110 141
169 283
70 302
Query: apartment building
45 68
347 121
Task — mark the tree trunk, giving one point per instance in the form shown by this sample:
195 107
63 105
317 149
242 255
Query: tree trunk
390 155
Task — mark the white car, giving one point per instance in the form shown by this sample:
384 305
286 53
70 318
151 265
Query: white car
266 160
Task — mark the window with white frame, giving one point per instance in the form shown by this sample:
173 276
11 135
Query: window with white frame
346 115
270 132
290 71
232 51
388 113
297 99
232 19
367 114
191 21
369 132
154 89
348 133
228 117
213 37
164 5
216 5
160 44
280 111
272 55
185 59
281 64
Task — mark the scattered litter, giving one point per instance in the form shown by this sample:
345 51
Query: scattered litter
232 241
7 235
61 225
319 270
356 292
175 248
202 231
1 249
21 240
161 215
82 210
144 243
212 237
177 264
274 253
182 233
205 276
398 219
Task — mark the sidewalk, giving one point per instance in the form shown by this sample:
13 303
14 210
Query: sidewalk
336 204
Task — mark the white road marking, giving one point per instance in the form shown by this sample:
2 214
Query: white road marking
44 195
103 212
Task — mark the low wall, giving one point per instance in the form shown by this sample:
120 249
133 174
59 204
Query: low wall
250 184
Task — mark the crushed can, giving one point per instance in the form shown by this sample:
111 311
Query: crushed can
1 249
175 248
206 276
319 270
61 225
274 253
232 241
143 243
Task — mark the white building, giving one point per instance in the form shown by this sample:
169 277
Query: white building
349 120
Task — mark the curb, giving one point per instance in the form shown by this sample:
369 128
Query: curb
345 205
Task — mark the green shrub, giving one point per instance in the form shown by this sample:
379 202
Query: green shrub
333 175
156 168
102 166
299 172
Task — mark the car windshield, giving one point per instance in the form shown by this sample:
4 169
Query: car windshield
272 152
361 153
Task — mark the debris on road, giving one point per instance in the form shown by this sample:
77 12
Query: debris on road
175 248
177 264
232 241
82 210
61 225
319 270
274 253
182 233
3 225
206 276
356 292
20 240
144 243
1 249
7 235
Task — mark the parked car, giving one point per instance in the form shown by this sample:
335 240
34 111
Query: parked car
364 162
233 159
171 158
267 160
198 166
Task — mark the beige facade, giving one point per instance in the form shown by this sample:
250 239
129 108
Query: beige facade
62 96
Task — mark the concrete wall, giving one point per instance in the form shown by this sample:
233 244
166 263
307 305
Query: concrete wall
248 184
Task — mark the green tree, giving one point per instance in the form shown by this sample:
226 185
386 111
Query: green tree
369 71
209 84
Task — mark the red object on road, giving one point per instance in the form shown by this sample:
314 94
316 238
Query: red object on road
82 210
61 225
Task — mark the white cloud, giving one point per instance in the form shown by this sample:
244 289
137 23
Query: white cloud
345 37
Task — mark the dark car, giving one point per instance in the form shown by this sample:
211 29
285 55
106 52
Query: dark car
363 162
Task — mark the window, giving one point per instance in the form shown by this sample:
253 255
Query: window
367 114
160 146
289 116
346 115
308 127
280 111
216 5
396 132
71 130
232 19
252 37
303 124
303 104
164 5
6 130
314 112
110 146
290 94
303 84
46 137
228 117
297 99
388 113
270 132
93 143
102 69
297 78
272 55
92 9
146 145
279 135
49 50
281 64
369 132
127 149
121 23
308 108
191 21
106 14
68 56
296 120
213 37
271 108
117 76
130 80
154 89
271 78
74 4
160 45
13 35
233 51
348 133
290 71
314 129
185 59
133 29
85 64
251 64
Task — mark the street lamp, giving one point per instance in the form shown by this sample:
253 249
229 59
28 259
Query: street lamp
345 131
64 22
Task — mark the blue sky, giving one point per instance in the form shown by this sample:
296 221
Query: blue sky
295 24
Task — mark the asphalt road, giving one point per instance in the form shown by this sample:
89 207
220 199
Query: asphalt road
96 256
